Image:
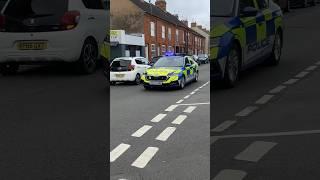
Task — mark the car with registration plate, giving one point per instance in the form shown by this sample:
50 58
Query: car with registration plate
171 71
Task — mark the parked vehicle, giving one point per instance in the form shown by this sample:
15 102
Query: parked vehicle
196 59
128 69
203 59
302 3
36 32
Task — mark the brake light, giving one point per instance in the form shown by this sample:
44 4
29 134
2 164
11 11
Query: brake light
2 22
131 67
70 20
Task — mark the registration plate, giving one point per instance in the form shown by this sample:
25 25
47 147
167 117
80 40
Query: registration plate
32 45
156 83
119 75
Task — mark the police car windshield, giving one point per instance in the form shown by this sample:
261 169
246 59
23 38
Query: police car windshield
173 61
222 8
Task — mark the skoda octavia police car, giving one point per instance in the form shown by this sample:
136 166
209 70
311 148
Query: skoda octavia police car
244 33
171 71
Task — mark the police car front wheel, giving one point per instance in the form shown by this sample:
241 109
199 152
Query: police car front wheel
276 50
182 82
232 67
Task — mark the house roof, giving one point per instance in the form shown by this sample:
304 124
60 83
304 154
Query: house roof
156 11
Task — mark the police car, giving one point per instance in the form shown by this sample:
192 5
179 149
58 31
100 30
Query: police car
171 71
244 33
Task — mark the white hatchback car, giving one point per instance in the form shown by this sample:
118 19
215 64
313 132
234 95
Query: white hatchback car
128 69
38 31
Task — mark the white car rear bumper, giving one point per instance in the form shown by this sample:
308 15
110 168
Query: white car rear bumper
123 76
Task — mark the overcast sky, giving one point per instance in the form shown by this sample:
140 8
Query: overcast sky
193 10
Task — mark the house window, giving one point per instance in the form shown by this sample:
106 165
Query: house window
163 32
152 29
177 35
164 49
169 33
153 50
170 49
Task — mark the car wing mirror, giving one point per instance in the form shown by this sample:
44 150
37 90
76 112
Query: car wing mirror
188 65
249 12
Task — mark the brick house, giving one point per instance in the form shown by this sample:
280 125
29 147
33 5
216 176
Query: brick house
163 31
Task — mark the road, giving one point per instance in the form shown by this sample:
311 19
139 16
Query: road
161 134
54 125
268 127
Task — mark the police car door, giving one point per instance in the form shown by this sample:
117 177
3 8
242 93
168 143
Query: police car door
187 65
263 17
269 26
251 30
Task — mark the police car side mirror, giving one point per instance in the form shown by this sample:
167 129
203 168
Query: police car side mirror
249 12
188 65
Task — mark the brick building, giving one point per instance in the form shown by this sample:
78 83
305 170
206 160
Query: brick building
163 31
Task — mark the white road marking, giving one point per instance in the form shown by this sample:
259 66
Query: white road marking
196 89
192 93
145 157
229 174
171 108
141 131
118 151
291 81
190 109
264 99
158 118
222 127
277 89
180 101
179 120
311 68
213 140
255 151
247 111
207 103
164 136
302 74
187 97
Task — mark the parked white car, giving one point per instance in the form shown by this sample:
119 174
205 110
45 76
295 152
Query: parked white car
128 69
38 31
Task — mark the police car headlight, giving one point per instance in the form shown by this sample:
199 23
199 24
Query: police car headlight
214 42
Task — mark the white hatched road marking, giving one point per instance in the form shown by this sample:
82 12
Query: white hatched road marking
255 151
291 81
264 99
311 68
141 131
247 111
187 97
158 118
145 157
179 119
302 74
222 127
118 151
229 174
207 103
171 108
164 136
277 89
190 109
180 101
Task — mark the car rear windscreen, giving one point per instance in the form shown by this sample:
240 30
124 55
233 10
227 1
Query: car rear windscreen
120 65
34 15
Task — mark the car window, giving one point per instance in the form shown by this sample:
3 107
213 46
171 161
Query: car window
93 4
186 61
173 61
121 63
139 61
262 4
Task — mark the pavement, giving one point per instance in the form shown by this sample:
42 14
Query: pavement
161 134
267 127
54 125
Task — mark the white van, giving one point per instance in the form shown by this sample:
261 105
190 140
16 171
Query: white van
38 31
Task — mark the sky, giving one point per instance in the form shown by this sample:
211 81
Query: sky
192 10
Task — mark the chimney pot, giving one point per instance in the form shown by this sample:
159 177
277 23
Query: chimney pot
162 4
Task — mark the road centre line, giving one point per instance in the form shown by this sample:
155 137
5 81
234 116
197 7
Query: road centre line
194 104
158 118
311 68
291 81
187 97
179 120
171 108
145 157
302 74
164 136
264 99
118 151
190 109
247 111
222 127
192 93
141 131
255 151
229 174
180 101
277 89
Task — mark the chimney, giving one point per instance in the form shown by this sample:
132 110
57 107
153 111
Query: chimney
200 27
177 16
185 22
193 24
162 4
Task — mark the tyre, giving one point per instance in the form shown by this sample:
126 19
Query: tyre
137 80
9 68
276 50
232 69
196 77
182 83
89 55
